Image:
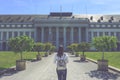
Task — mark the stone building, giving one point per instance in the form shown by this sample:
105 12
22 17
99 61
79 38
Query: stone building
58 28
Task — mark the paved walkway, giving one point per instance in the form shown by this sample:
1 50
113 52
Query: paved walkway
46 70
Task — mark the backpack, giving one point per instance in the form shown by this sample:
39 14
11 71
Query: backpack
61 61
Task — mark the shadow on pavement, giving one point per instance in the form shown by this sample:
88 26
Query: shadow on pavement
104 75
8 72
80 61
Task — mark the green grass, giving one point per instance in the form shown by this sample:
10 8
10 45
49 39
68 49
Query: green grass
8 59
112 57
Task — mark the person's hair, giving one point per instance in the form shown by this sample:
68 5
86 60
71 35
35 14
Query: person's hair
60 51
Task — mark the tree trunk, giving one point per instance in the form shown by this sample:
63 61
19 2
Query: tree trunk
21 56
83 52
103 55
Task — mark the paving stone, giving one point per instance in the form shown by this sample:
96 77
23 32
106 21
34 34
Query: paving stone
46 70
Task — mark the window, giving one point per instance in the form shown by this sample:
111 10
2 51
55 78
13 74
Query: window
2 25
10 35
29 25
118 36
103 25
27 33
89 36
32 35
13 25
21 33
114 25
18 25
119 26
15 34
94 34
91 25
7 25
107 33
0 35
100 33
112 34
24 25
109 25
4 35
97 25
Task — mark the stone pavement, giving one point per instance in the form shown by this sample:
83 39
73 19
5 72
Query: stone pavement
46 70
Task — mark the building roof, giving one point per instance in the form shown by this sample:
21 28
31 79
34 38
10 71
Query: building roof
30 18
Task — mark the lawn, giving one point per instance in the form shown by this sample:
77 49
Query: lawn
113 57
8 59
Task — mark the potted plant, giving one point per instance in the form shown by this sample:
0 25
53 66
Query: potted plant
47 48
19 45
38 47
52 49
83 47
73 48
104 43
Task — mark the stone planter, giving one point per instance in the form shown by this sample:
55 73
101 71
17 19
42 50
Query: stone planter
50 53
76 55
39 57
46 54
102 65
20 65
82 57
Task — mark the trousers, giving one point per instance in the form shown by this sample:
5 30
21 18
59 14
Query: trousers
62 74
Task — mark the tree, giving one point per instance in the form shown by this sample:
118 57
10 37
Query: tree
73 46
38 47
47 48
105 43
52 48
20 44
83 47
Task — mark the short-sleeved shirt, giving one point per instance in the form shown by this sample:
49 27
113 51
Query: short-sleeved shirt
61 61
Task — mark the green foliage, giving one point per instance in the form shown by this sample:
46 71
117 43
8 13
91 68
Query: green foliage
73 47
20 44
52 48
48 46
38 47
113 57
83 47
8 58
105 43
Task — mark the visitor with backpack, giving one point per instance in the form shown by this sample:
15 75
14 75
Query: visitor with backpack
61 59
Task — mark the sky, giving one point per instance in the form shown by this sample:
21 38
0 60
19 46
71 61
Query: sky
47 6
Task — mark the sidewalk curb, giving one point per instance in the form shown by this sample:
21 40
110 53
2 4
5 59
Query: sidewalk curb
110 67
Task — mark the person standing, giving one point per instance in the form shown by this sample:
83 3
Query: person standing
61 59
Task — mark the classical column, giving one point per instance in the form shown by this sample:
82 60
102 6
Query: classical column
50 33
7 37
64 37
86 35
12 34
91 35
42 34
72 34
30 34
115 34
1 36
109 34
57 36
18 33
79 34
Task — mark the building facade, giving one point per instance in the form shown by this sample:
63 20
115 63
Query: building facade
58 28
